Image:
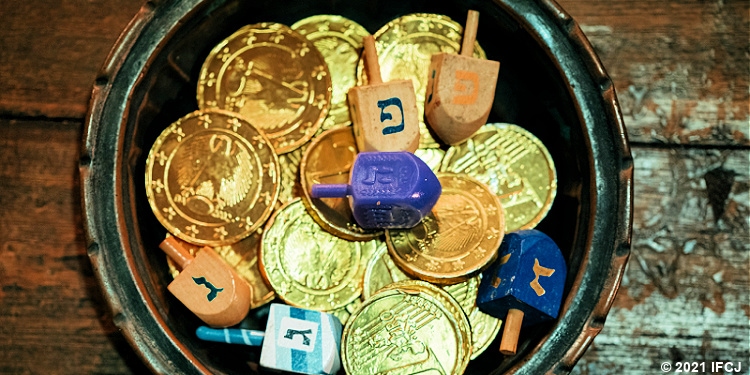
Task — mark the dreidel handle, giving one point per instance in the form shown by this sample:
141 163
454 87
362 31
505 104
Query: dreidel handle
331 190
176 252
470 33
512 328
231 335
372 65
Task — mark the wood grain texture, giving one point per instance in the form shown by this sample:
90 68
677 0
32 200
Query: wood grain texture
53 318
680 67
684 296
51 53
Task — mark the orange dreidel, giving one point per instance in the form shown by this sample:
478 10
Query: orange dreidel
209 287
384 114
460 89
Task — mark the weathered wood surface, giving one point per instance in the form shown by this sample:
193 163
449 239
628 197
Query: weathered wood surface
681 72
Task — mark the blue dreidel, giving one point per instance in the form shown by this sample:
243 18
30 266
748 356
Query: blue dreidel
386 190
296 340
525 286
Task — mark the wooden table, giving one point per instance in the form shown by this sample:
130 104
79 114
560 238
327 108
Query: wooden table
680 68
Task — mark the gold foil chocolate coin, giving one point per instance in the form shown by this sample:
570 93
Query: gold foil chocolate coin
339 40
274 77
457 240
408 327
308 267
243 258
515 165
405 47
328 159
212 178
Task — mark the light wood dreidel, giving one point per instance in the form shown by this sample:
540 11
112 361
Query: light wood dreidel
460 89
209 287
525 285
384 114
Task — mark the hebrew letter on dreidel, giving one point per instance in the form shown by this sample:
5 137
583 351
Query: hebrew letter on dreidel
213 291
384 116
463 77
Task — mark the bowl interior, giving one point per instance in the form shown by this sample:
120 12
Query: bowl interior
531 93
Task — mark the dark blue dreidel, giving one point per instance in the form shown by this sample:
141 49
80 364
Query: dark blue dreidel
386 190
296 340
525 286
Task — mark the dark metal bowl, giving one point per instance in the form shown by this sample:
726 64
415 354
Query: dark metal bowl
550 83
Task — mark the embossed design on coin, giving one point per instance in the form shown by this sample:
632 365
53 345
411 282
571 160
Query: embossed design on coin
307 266
515 165
212 178
408 327
328 159
289 166
457 240
274 77
339 40
405 46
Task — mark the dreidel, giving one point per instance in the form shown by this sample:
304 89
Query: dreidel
525 286
207 286
384 114
386 190
460 89
295 340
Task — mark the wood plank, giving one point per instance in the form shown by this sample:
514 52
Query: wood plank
53 317
51 54
684 295
680 67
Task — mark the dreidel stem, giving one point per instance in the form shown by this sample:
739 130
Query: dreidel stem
372 65
331 190
511 329
231 335
176 252
470 33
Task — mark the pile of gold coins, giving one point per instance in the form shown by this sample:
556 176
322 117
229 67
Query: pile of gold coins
273 120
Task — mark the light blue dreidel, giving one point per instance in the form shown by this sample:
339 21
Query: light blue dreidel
525 286
296 340
386 190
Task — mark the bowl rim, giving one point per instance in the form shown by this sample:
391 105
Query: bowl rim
133 310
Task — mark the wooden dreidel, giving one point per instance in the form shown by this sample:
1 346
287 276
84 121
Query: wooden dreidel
296 340
384 114
386 190
460 89
209 287
525 286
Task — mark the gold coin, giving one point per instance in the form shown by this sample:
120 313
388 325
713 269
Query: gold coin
339 40
328 159
343 313
405 47
433 157
381 272
457 240
212 178
273 76
408 327
243 257
515 165
289 166
308 267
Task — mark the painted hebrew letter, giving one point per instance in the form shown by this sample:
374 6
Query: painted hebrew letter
383 104
540 271
460 87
